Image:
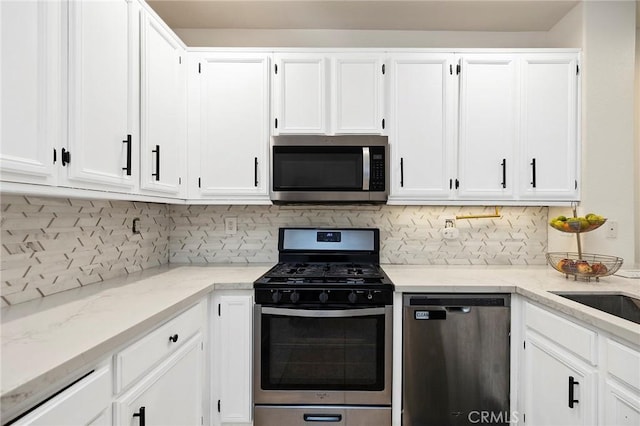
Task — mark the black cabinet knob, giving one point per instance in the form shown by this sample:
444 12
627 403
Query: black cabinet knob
173 338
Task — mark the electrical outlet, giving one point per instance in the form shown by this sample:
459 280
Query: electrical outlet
612 229
450 233
230 225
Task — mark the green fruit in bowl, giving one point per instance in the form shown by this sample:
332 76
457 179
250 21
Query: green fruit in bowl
584 223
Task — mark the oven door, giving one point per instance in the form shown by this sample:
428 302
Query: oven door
331 356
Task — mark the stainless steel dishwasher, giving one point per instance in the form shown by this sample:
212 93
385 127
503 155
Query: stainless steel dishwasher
455 359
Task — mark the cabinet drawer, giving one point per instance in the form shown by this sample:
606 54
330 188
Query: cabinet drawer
573 337
152 348
85 402
623 363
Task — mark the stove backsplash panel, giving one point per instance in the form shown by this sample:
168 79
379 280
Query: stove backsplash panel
54 244
408 234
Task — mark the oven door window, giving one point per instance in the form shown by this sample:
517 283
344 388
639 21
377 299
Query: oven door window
317 168
320 353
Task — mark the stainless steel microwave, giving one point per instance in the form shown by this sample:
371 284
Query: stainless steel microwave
316 169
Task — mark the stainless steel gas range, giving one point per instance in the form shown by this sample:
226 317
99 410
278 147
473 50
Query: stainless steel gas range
323 327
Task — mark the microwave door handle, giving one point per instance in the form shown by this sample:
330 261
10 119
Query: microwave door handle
332 313
366 168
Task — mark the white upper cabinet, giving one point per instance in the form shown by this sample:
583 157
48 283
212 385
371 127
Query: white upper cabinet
357 94
422 130
229 98
163 132
300 94
328 93
488 128
103 52
32 109
549 127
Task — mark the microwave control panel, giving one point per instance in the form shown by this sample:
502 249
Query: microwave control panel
377 179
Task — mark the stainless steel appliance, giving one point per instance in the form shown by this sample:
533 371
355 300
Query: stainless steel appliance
323 328
329 169
455 359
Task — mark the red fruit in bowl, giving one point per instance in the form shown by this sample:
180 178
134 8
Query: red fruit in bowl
599 269
566 265
583 267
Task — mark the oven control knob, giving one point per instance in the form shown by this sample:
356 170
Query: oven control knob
295 296
353 297
323 297
276 296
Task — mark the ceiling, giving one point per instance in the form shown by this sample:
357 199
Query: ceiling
418 15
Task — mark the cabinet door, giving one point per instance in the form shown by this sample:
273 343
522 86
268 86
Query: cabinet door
31 110
357 94
163 109
300 94
102 40
551 379
549 127
171 394
422 135
234 127
487 132
232 380
621 405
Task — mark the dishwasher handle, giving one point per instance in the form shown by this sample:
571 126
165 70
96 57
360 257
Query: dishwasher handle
457 300
458 309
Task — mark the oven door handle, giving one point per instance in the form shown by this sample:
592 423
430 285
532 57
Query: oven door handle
317 313
332 418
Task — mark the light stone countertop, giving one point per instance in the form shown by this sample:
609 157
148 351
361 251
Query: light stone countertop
46 340
533 282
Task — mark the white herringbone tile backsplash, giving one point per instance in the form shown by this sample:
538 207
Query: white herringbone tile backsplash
408 234
53 244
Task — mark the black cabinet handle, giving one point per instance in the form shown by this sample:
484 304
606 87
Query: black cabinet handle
157 152
504 172
55 156
533 170
128 166
140 414
65 156
401 172
255 171
572 383
332 418
173 338
457 184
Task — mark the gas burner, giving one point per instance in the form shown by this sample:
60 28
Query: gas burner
347 269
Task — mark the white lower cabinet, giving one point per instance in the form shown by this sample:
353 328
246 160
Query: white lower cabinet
575 374
621 385
85 402
163 374
560 389
232 355
171 394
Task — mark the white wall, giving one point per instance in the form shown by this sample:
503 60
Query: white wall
637 121
358 38
609 186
